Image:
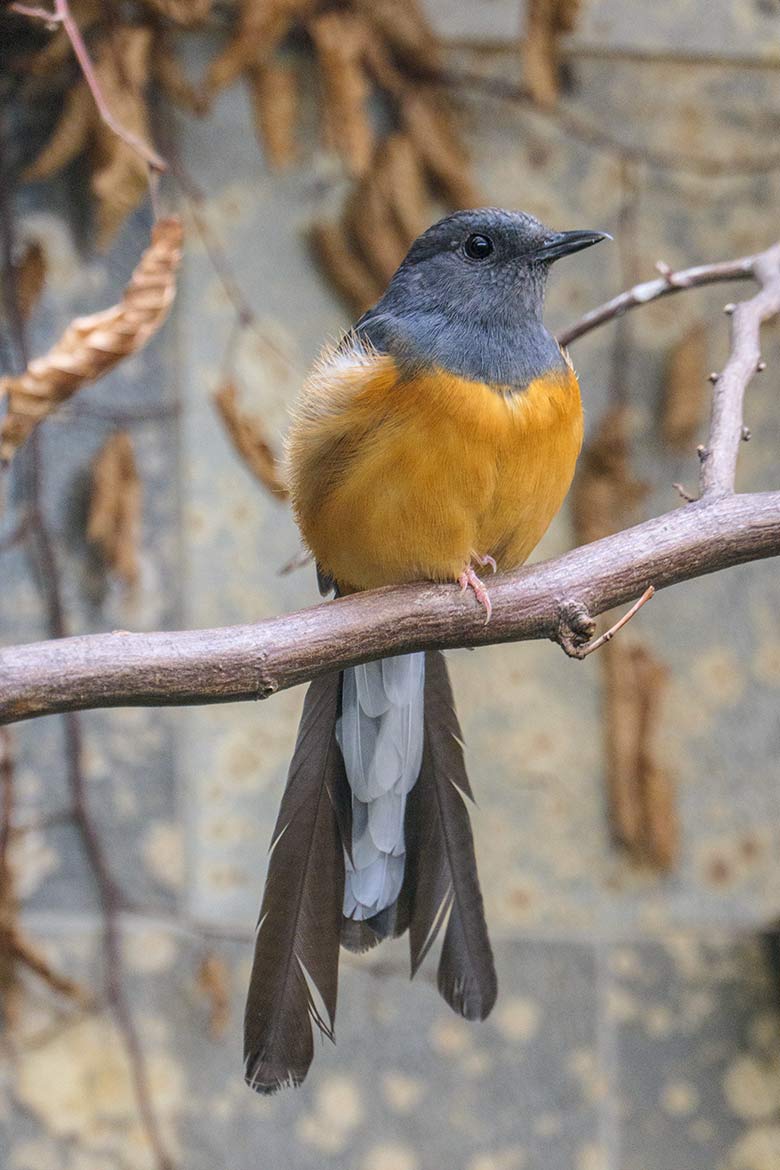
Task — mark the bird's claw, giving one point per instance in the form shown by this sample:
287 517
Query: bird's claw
469 580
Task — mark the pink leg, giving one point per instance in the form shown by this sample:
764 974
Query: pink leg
469 580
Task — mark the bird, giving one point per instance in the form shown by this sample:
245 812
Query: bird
436 439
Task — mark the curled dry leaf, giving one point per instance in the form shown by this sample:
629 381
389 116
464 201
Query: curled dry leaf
430 128
339 40
605 499
401 25
274 89
187 13
119 175
370 221
91 346
545 21
114 521
260 28
685 394
29 274
350 276
402 176
248 438
169 75
213 982
641 791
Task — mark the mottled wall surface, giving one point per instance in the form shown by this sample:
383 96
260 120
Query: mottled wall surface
636 1027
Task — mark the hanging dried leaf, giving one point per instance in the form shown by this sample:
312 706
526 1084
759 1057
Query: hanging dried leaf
120 177
119 174
430 128
29 274
260 28
339 40
114 521
91 346
545 21
248 438
685 397
213 981
400 173
642 798
274 89
402 26
187 13
605 499
169 75
70 137
348 273
370 221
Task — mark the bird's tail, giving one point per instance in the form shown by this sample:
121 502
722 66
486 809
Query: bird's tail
373 838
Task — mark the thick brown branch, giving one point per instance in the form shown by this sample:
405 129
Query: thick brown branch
252 662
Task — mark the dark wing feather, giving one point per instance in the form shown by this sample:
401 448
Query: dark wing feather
441 884
297 945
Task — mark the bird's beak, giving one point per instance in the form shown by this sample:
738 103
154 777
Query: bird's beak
563 243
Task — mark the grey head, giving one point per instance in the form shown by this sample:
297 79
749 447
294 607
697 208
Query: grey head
469 295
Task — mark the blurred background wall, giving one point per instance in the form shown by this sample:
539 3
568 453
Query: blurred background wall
637 1024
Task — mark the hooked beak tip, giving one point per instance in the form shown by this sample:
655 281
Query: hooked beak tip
566 243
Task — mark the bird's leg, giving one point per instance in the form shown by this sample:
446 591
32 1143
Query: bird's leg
469 580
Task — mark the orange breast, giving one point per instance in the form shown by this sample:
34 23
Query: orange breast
401 480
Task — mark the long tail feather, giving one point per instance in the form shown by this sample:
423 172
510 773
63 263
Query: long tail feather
441 884
295 971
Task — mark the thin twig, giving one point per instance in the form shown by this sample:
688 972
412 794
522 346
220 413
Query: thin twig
62 15
719 459
608 635
48 574
651 290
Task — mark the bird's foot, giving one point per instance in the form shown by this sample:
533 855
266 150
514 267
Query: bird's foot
483 561
469 580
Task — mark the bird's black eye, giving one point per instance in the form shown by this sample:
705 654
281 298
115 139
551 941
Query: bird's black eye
478 247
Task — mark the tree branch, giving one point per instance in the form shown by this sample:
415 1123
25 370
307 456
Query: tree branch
557 599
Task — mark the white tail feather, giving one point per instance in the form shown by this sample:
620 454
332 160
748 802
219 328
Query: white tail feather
380 733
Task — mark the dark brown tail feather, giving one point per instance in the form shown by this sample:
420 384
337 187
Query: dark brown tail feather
300 919
441 884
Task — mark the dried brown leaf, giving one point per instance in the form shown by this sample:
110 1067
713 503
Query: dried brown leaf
339 40
120 176
642 797
248 437
404 29
274 89
401 175
344 269
430 127
213 981
371 222
605 499
71 135
545 21
685 398
91 346
29 274
260 28
606 494
114 520
169 75
187 13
